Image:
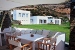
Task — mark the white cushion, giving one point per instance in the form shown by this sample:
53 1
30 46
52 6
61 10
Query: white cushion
15 43
7 30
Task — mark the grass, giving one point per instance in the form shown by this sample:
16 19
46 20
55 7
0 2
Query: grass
65 28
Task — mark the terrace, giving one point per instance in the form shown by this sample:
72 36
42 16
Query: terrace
16 3
59 42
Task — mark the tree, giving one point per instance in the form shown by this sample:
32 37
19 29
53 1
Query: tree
72 28
1 16
6 21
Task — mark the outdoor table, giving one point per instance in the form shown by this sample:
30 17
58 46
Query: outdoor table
35 38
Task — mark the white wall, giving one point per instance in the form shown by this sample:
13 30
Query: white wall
58 21
37 18
25 19
55 21
34 18
42 18
60 43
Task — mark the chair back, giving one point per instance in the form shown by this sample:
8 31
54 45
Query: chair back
54 38
13 41
33 31
27 31
39 32
17 33
23 31
45 32
58 33
49 44
43 46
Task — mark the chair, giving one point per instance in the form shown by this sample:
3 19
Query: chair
27 31
56 35
39 32
52 33
47 44
33 31
15 44
23 31
45 32
17 33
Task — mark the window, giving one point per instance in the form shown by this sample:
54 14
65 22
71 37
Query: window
31 20
26 14
23 14
44 21
19 14
51 20
49 17
40 21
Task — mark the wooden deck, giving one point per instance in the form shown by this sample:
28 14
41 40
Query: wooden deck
4 47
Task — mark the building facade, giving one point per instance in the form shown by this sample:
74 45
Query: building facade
44 20
22 16
25 18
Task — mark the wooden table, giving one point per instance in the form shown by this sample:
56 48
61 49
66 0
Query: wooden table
33 39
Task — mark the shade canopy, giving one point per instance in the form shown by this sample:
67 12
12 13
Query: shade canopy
8 4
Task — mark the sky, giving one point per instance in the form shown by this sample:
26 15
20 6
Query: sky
8 4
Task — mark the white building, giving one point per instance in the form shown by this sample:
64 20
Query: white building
22 16
38 20
44 20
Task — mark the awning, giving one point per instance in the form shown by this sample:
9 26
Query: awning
8 4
